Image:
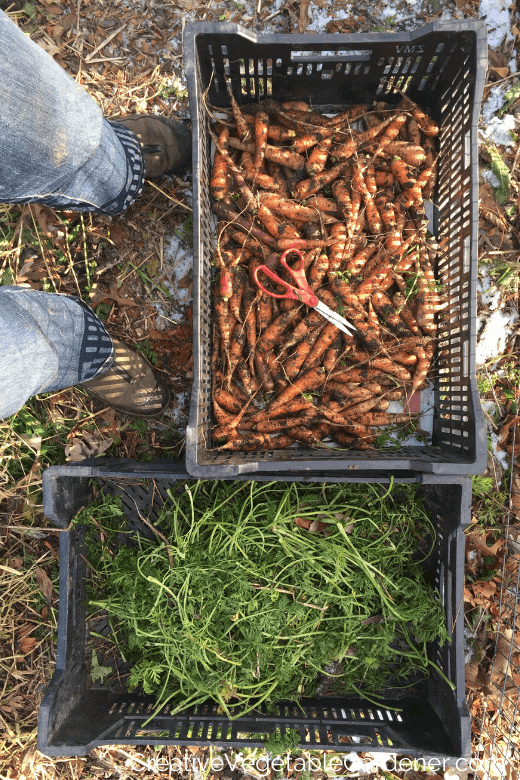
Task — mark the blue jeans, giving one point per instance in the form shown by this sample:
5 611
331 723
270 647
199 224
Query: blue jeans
47 342
55 146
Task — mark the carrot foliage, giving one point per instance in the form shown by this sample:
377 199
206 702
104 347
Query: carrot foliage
255 591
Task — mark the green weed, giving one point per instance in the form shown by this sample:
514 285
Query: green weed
145 349
185 231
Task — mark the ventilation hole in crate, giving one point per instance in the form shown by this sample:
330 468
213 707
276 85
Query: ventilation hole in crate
307 735
251 86
406 84
431 65
370 714
348 66
389 64
299 70
357 69
398 63
378 738
389 84
327 74
399 84
269 86
308 69
366 69
317 737
260 87
423 83
380 86
260 66
416 64
279 63
227 69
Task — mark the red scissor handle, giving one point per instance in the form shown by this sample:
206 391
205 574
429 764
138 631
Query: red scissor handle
301 293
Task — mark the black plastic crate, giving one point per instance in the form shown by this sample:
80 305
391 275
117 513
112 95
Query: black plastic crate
442 67
73 718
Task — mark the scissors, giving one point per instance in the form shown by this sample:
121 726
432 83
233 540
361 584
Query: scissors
302 292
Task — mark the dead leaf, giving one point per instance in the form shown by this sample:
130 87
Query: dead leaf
27 644
45 584
44 612
97 295
302 522
15 563
501 72
89 447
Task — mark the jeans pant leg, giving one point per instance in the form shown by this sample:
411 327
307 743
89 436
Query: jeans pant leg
56 147
47 342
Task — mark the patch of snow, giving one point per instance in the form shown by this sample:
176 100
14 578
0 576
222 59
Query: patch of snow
498 20
500 455
494 102
490 296
178 262
498 130
490 177
492 339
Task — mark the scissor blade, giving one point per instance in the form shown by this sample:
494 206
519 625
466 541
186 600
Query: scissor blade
336 319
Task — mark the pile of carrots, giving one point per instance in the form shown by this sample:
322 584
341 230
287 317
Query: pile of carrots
348 192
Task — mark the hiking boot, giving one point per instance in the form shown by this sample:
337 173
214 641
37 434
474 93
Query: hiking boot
166 143
130 385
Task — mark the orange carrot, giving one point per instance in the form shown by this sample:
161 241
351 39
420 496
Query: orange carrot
295 105
262 372
293 364
290 209
279 134
280 156
261 124
414 136
352 442
341 193
372 214
219 182
340 251
318 157
388 314
272 334
283 423
247 442
299 404
238 340
402 173
304 243
358 261
225 212
327 336
370 180
318 270
262 180
355 197
345 150
384 179
424 356
331 355
403 308
350 115
413 155
308 187
323 205
242 127
431 164
276 227
304 435
276 173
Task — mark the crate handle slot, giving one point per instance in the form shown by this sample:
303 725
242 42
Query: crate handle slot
351 56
